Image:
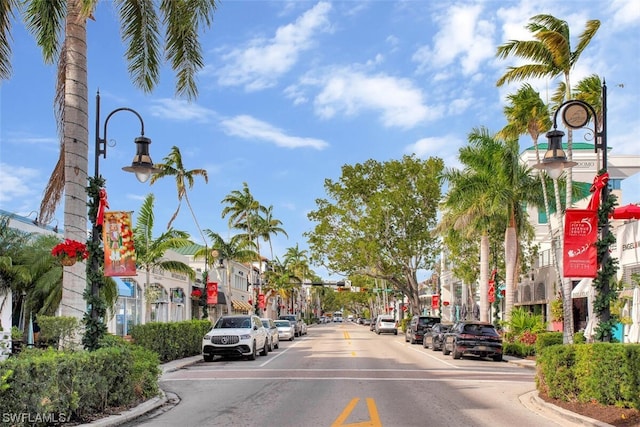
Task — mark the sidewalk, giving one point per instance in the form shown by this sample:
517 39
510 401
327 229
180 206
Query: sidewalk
529 400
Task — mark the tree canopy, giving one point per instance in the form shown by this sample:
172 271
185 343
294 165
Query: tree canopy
378 221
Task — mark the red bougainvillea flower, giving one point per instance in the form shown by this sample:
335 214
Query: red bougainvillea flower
71 249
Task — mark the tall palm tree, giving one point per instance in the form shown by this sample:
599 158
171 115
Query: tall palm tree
150 251
268 226
551 54
528 114
237 248
491 188
172 165
59 29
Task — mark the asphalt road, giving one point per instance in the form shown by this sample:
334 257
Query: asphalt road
345 375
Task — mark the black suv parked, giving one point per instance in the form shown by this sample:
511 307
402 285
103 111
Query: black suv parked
418 326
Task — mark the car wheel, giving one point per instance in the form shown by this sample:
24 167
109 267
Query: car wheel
434 347
208 357
497 358
445 350
378 332
265 349
254 352
291 339
395 332
277 345
456 354
270 345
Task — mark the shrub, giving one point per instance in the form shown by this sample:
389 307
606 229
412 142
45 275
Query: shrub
518 349
172 341
77 385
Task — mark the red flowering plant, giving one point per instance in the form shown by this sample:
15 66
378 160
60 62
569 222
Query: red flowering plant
70 250
196 294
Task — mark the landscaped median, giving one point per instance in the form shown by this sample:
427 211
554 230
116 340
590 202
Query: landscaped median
51 387
48 387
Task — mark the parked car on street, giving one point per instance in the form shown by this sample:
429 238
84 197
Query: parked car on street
477 338
418 327
272 333
435 336
238 335
386 324
294 321
286 331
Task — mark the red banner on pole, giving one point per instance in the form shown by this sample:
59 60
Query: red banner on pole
212 293
261 303
580 258
119 250
435 301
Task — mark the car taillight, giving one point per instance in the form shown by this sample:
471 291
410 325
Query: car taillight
467 336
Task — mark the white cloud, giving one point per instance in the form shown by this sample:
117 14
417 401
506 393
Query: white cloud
260 63
398 101
247 127
14 182
463 36
180 110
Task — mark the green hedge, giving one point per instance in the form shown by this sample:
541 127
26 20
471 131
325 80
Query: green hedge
606 373
172 341
56 387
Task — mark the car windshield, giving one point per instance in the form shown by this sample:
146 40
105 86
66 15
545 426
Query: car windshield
266 324
480 330
233 322
425 321
281 323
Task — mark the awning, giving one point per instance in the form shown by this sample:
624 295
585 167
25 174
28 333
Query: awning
582 288
241 305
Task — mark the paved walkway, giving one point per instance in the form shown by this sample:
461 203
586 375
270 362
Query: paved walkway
529 400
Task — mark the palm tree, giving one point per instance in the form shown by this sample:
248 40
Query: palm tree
172 165
551 56
268 226
237 248
527 113
150 251
59 28
490 190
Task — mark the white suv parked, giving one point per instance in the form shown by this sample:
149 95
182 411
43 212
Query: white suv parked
241 335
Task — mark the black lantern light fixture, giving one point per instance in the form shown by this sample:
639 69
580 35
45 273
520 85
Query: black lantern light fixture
143 168
576 114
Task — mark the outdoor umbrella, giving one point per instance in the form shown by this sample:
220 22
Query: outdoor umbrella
634 330
592 320
629 211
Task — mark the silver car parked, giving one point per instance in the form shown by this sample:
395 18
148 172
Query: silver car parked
272 333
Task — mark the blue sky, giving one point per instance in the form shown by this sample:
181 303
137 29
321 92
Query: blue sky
293 90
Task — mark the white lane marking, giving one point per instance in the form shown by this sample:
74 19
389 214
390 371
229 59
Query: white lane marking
412 348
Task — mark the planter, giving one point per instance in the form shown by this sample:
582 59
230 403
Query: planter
67 261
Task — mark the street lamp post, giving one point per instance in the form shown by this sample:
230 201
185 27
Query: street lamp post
576 114
143 168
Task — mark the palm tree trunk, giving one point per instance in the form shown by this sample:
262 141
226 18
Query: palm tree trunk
75 129
484 278
510 257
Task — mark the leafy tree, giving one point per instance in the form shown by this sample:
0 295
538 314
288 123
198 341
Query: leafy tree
379 221
267 226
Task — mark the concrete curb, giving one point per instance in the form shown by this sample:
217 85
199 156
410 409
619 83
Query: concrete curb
533 402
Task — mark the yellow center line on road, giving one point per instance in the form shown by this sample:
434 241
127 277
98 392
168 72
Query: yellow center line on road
348 338
374 417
